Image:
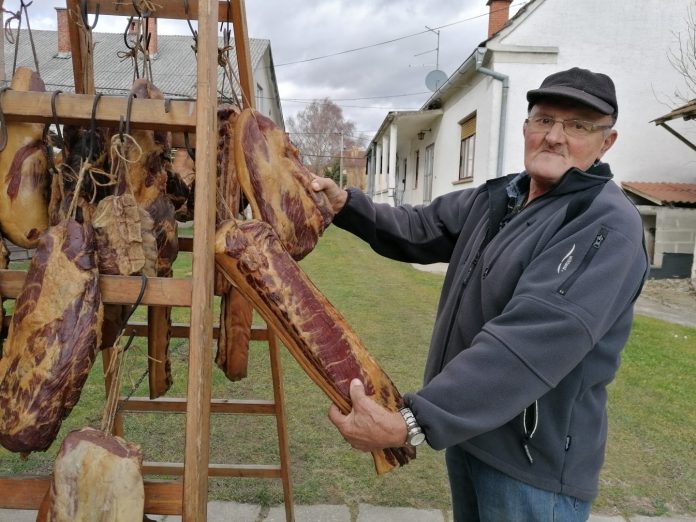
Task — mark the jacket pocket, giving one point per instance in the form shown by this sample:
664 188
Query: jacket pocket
591 252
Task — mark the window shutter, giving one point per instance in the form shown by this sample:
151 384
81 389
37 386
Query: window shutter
468 127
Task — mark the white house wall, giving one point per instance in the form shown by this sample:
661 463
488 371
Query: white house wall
263 78
483 98
630 41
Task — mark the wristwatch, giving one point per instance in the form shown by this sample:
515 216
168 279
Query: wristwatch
414 433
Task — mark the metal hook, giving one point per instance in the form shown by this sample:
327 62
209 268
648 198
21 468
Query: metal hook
3 125
128 111
54 112
187 143
167 105
93 127
83 14
136 9
126 33
188 20
49 146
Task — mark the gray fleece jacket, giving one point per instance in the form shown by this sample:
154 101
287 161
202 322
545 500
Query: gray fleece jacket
534 312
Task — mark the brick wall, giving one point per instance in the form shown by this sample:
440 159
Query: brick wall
675 232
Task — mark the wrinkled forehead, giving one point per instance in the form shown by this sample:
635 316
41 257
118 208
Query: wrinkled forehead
564 108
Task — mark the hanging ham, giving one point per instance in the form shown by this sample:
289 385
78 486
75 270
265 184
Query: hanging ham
24 176
277 184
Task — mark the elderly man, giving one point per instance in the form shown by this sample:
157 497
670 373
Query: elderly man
536 306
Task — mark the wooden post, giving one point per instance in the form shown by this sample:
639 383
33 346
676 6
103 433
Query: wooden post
241 42
283 447
82 48
197 449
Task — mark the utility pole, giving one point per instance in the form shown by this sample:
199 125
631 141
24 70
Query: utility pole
340 164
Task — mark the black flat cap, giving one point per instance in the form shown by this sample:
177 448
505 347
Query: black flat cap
595 90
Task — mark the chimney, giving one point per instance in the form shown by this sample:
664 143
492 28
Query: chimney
63 33
151 30
497 15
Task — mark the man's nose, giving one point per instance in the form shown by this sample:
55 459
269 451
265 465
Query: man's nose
556 134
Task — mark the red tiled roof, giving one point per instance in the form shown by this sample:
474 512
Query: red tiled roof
663 193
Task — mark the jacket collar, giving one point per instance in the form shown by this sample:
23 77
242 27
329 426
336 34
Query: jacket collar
573 180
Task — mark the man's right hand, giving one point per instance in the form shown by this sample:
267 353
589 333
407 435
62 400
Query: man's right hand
337 196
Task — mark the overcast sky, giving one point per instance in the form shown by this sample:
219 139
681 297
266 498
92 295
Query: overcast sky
366 83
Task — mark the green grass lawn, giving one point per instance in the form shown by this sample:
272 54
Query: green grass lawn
650 458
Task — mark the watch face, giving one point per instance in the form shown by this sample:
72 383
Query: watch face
417 439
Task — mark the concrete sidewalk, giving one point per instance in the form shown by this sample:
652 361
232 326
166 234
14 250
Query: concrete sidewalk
234 512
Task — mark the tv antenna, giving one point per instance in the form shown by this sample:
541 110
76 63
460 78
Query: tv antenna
435 78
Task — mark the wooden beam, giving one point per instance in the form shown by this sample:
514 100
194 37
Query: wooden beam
197 447
117 289
241 42
27 492
170 9
76 109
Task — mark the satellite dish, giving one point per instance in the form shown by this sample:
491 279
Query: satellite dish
435 79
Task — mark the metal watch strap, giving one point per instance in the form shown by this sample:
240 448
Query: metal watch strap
414 433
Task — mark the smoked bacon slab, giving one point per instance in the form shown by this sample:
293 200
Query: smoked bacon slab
250 254
53 338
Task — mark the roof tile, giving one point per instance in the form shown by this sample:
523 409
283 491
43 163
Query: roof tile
663 193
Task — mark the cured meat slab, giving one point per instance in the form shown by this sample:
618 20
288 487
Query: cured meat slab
97 477
53 338
250 255
24 176
236 312
148 173
277 184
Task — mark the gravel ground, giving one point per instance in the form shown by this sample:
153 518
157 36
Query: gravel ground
671 300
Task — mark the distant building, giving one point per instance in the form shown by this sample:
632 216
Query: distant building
470 129
172 58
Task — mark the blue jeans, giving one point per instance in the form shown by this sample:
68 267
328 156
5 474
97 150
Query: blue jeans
481 493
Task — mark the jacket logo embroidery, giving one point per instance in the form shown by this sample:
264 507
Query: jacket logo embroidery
565 262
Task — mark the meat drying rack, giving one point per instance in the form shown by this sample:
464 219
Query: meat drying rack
187 497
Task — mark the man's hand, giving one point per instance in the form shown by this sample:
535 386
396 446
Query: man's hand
337 196
368 426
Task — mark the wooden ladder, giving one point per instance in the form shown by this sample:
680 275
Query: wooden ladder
188 497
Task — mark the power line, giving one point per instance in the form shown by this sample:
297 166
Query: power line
392 40
351 99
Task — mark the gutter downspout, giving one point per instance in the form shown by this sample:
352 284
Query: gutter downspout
503 107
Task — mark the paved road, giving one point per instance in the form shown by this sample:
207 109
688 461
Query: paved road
233 512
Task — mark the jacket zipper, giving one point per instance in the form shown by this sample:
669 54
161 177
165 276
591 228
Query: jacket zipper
596 244
467 277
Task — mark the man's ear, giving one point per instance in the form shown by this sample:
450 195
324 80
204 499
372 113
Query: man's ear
609 140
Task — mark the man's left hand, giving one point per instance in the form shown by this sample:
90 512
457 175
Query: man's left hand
368 426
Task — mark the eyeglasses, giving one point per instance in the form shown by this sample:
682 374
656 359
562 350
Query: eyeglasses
574 128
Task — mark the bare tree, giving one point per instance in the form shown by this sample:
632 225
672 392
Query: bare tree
683 59
316 132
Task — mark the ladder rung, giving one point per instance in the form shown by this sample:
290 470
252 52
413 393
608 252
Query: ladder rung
177 405
215 470
181 331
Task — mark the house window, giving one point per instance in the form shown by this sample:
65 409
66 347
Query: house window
259 98
415 177
466 148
